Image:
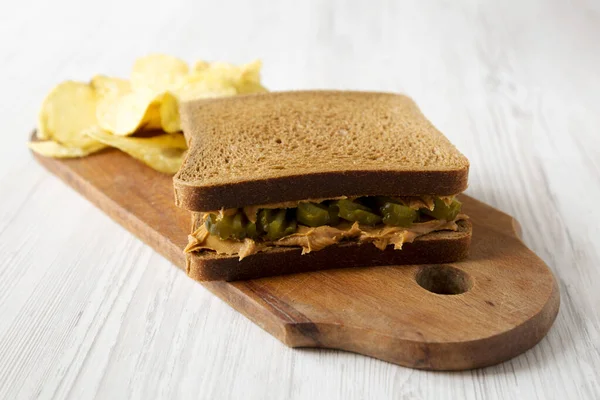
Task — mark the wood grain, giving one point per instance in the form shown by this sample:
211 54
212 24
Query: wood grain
89 311
510 297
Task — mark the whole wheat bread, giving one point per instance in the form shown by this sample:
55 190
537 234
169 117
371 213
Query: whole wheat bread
289 146
433 248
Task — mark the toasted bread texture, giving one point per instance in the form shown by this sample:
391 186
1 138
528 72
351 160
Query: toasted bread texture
433 248
289 146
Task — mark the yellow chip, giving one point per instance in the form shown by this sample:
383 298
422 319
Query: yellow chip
142 110
66 112
251 71
169 113
200 66
124 115
158 73
249 81
163 153
106 86
243 78
250 87
222 73
204 89
49 148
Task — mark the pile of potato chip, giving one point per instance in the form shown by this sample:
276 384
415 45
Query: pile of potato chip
78 119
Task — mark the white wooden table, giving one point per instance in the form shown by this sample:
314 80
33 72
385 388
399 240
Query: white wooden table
88 311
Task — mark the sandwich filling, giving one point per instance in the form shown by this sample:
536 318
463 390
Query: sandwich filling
313 224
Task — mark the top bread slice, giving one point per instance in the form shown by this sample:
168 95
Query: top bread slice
291 146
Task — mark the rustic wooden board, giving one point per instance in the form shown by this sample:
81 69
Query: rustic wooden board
510 302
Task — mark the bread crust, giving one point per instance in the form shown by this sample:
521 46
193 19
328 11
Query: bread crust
433 248
320 185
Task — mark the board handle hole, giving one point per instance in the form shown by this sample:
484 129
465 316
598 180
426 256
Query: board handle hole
443 279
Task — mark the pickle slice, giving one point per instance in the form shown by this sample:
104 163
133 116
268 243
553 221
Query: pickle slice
276 228
397 214
291 227
229 227
275 224
223 228
210 222
265 216
353 211
252 230
442 211
312 214
334 211
238 226
365 217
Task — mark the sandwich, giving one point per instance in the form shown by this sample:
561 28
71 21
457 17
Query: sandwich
291 182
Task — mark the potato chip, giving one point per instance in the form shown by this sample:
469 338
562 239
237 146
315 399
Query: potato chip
69 109
169 113
49 148
128 113
158 73
163 153
223 73
251 72
108 86
200 65
204 90
249 81
250 87
243 78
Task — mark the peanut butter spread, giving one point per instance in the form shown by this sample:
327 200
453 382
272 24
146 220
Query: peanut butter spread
314 239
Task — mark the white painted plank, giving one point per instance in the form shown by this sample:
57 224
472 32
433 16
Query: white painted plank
88 311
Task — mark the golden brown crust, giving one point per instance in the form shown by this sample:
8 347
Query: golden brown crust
433 248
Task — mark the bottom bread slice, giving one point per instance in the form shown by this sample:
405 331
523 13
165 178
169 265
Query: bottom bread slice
433 248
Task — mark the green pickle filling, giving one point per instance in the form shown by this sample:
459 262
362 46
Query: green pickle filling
442 211
354 211
273 224
313 214
398 215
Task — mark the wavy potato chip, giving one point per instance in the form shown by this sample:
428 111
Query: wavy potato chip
158 73
200 66
49 148
107 86
250 72
249 81
128 113
244 78
68 109
163 153
124 112
250 87
204 90
169 113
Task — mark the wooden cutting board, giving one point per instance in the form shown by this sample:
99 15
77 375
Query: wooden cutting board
508 302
